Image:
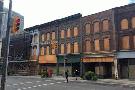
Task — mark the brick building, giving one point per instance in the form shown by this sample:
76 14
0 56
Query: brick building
102 42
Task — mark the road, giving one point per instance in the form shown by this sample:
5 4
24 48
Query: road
33 83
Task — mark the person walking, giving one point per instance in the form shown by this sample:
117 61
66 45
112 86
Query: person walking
66 75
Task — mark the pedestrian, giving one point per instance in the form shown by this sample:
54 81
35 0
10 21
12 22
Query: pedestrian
66 75
76 73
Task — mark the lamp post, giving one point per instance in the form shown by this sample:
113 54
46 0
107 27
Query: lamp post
6 53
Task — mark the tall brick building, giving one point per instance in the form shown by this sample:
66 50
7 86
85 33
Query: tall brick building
103 43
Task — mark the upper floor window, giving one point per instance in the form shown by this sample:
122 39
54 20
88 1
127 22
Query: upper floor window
96 27
47 50
87 46
75 31
48 36
42 37
68 48
76 47
134 40
53 51
87 28
42 51
133 22
105 25
106 44
34 51
62 48
97 45
124 24
62 33
53 35
125 42
68 32
35 38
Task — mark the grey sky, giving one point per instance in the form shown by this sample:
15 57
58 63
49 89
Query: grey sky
40 11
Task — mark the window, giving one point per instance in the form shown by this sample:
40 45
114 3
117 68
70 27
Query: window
42 37
105 25
68 32
34 51
124 24
96 27
87 28
106 44
125 42
53 51
42 51
97 45
75 31
62 48
47 50
68 48
62 34
53 35
133 22
134 40
87 46
35 38
48 36
76 50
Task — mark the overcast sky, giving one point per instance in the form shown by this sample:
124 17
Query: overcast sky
41 11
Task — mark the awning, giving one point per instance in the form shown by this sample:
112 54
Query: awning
98 59
47 59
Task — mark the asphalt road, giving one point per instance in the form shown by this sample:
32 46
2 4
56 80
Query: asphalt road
33 83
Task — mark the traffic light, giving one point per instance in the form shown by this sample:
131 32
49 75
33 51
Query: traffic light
16 24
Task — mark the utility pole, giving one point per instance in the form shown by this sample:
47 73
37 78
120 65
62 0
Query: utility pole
6 51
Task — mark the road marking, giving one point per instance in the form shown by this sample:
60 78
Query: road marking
38 81
47 80
34 86
29 87
44 84
39 85
65 81
24 88
15 84
18 89
58 82
8 85
51 83
21 83
28 82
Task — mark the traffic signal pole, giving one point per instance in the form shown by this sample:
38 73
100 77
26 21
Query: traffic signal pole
6 51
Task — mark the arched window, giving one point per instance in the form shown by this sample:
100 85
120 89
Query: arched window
48 36
42 37
53 35
124 24
106 44
96 27
97 45
62 48
53 51
35 38
125 42
133 22
105 25
87 28
62 33
68 32
75 31
76 50
87 46
47 50
68 48
42 51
